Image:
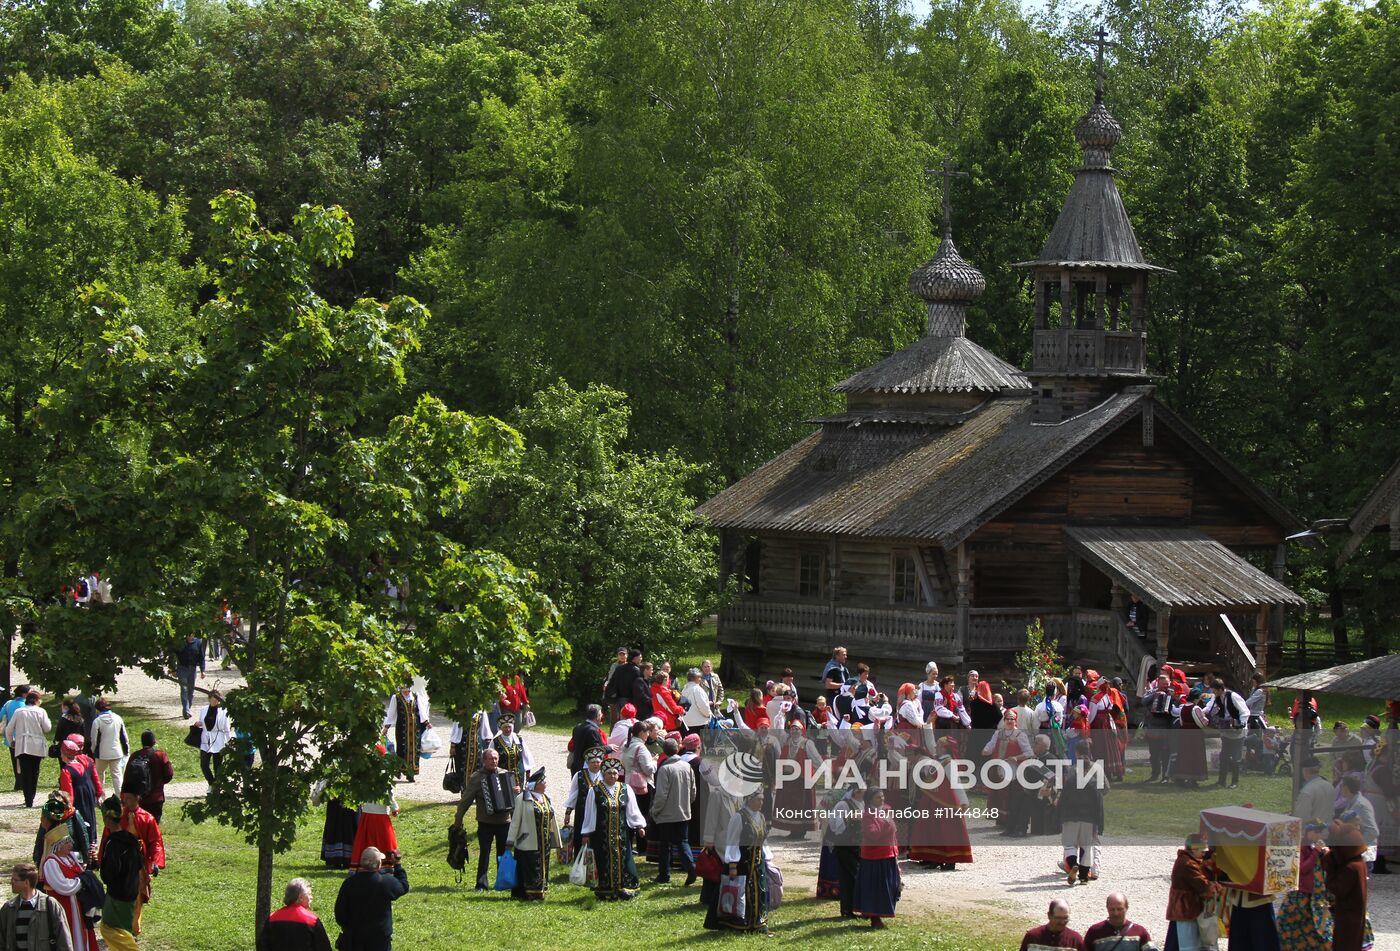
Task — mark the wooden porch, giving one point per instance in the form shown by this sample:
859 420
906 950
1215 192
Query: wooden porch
918 634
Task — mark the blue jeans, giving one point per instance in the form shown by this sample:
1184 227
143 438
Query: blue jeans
674 834
186 677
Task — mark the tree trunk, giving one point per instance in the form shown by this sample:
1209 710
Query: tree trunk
267 804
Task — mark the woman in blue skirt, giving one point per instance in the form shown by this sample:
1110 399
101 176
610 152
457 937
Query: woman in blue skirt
877 878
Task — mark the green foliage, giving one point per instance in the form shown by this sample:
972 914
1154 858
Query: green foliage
719 253
72 231
1040 661
608 530
265 477
62 39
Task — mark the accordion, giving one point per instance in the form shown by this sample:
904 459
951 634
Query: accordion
497 792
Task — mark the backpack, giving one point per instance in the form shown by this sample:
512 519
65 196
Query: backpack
122 862
137 778
84 589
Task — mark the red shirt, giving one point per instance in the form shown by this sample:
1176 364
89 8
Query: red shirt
82 763
142 825
665 706
877 835
1043 936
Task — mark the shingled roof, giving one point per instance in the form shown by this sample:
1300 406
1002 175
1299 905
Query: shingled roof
937 365
1178 568
1093 229
938 483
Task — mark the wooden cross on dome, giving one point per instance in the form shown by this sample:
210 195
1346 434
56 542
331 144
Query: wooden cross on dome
1101 41
949 173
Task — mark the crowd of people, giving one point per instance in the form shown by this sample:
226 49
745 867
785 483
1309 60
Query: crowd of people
684 775
100 825
655 762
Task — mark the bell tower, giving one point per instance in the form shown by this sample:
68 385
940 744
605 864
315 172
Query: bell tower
1091 282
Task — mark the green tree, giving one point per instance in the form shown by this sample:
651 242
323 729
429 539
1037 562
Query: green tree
66 224
253 462
744 213
61 39
609 531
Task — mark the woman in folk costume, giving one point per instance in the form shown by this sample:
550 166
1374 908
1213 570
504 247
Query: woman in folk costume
59 820
1189 763
338 830
1381 787
510 746
877 879
61 874
375 826
1050 716
582 786
940 838
610 819
1009 746
468 741
79 778
534 834
745 853
1305 918
949 714
1107 748
796 794
405 719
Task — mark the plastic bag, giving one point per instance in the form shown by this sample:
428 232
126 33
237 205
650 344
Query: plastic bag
775 886
527 718
505 871
733 897
429 742
578 872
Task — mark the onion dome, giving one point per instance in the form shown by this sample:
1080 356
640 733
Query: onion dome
947 278
1097 133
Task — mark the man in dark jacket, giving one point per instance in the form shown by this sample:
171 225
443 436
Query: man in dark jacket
147 774
586 736
294 926
624 680
364 909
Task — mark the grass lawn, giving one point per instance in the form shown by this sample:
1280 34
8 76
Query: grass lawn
1332 707
204 902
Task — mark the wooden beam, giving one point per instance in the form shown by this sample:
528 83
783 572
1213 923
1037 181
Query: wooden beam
1164 631
964 620
1261 642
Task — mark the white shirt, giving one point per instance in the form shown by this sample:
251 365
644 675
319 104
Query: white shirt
621 731
576 786
940 709
698 714
527 762
214 740
28 731
735 831
391 710
635 819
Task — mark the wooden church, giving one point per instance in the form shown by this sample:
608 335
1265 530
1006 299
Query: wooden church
959 498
